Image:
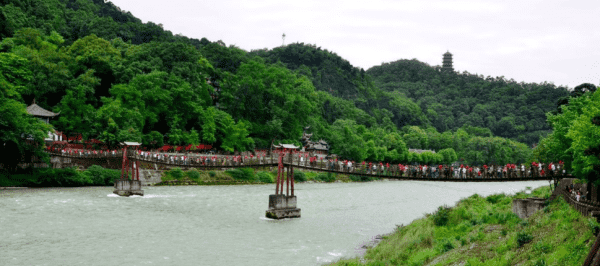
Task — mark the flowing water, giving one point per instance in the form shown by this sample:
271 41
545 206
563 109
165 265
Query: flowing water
214 225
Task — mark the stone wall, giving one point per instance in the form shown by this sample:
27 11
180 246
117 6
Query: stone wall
526 207
150 177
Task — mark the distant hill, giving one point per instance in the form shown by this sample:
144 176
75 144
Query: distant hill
452 100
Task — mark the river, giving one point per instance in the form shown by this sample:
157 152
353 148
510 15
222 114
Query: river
214 225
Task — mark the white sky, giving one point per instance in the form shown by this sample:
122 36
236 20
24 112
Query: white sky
526 40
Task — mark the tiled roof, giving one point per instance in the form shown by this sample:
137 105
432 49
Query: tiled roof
321 145
36 110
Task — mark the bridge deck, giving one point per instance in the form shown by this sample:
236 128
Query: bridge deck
391 173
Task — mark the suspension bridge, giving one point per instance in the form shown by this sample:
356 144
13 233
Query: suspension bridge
282 204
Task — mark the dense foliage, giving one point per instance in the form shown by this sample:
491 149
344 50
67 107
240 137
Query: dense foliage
20 133
116 79
576 136
67 177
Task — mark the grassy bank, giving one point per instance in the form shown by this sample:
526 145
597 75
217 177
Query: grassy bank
484 231
66 177
177 176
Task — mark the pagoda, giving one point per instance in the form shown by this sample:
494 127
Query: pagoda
41 113
447 62
44 115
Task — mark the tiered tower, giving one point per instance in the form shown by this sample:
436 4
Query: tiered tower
447 63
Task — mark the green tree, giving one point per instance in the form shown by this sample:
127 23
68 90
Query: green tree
416 137
273 99
21 135
346 143
448 155
585 136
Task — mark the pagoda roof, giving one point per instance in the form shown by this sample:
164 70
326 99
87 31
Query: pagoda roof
36 110
447 53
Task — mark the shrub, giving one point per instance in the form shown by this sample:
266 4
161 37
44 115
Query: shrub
503 218
193 174
523 238
446 246
354 178
66 177
474 196
540 262
212 173
594 226
19 179
176 173
245 174
476 221
541 247
325 177
363 178
441 216
100 176
264 177
299 177
110 175
493 199
96 174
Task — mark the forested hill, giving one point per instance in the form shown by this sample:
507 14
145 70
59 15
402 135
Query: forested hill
349 85
452 100
75 19
328 71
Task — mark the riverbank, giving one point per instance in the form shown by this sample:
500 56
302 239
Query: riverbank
244 176
64 177
484 231
98 176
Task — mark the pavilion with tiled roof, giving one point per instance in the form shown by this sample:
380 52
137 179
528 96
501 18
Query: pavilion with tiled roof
41 113
44 115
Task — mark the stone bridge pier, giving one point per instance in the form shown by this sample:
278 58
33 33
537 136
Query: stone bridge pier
128 187
283 205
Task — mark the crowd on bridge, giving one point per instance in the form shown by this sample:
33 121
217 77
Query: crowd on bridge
304 160
464 171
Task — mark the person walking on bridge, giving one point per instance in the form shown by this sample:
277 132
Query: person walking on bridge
484 171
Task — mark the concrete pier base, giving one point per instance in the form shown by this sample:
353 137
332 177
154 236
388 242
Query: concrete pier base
126 188
526 207
282 206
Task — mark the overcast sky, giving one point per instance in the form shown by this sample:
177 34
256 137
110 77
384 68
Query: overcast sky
526 40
